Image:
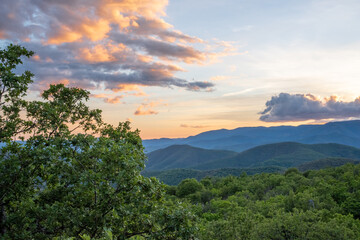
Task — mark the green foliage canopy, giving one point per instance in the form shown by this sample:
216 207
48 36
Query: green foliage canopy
74 175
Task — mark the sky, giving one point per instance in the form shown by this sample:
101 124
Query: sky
178 68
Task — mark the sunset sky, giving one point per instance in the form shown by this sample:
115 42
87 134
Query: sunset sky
178 68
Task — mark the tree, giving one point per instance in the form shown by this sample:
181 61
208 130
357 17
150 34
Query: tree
188 186
14 179
75 175
12 88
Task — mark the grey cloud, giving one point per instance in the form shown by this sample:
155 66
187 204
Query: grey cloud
33 22
300 107
156 27
109 74
158 48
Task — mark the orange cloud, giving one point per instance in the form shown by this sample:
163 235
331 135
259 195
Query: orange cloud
45 84
36 57
96 30
101 53
96 54
332 99
114 99
144 58
124 13
111 43
127 88
114 15
140 111
108 99
64 34
147 108
192 126
147 8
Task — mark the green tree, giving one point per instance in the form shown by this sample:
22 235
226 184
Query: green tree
12 88
75 175
188 186
14 172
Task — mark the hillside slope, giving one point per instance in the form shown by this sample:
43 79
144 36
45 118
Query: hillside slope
287 154
240 139
175 176
325 163
183 156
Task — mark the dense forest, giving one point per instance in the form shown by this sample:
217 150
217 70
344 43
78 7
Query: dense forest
65 174
317 204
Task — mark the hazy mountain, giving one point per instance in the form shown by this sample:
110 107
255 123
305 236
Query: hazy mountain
240 139
286 154
183 156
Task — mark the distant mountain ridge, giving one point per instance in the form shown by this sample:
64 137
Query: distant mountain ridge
286 154
243 138
175 163
183 156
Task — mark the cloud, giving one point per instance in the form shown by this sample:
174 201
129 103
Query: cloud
141 111
147 108
36 57
102 43
43 85
300 107
192 126
220 78
239 92
130 89
107 98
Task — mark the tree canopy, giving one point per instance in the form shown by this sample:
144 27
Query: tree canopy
73 175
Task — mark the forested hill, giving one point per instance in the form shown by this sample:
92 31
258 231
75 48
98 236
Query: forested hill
183 156
287 154
325 163
315 205
175 176
240 139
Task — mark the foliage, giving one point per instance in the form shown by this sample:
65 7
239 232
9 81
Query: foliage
315 205
283 154
276 155
175 176
324 163
13 88
75 176
183 156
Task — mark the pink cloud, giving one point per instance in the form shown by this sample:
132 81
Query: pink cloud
108 99
192 126
147 108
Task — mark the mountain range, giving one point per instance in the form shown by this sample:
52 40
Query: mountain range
243 138
253 150
178 162
286 154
